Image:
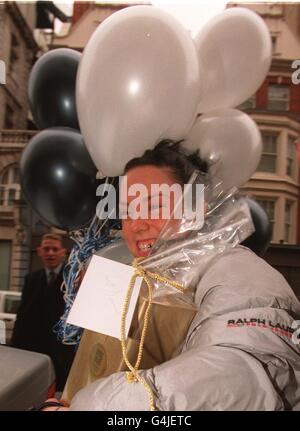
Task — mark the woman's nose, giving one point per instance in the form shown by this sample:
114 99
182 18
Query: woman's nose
139 225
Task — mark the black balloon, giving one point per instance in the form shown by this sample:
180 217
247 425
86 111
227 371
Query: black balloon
260 239
58 178
51 89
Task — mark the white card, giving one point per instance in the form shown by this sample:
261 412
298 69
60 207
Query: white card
99 303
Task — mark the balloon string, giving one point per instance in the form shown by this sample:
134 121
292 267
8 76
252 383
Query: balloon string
87 241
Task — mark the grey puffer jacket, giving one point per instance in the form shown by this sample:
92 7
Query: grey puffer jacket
240 352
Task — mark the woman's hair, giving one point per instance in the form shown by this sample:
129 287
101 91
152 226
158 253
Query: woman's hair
172 155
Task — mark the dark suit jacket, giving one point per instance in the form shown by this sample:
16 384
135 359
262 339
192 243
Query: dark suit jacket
40 309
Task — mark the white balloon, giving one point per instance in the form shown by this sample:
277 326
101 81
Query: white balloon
235 50
193 14
138 82
230 141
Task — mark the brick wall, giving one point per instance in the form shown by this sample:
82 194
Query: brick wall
79 8
14 92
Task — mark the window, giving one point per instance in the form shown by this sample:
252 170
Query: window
291 157
274 44
10 188
268 159
14 53
269 206
249 103
287 220
12 303
5 253
278 97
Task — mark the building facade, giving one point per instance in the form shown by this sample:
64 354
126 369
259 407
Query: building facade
17 51
86 18
276 109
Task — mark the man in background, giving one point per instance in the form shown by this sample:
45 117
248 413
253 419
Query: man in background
41 307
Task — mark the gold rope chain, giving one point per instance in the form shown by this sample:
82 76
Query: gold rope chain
147 276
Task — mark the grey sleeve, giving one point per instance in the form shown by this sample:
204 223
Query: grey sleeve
111 393
215 378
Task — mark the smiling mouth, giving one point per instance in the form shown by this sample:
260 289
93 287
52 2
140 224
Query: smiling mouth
145 245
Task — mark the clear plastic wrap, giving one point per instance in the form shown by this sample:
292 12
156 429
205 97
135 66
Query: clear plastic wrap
184 249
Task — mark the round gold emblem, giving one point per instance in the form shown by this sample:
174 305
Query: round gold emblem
98 361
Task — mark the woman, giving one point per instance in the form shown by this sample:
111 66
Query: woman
239 353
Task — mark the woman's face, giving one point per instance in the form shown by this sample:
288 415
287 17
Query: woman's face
141 233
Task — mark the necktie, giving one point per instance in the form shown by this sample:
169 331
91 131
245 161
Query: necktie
51 277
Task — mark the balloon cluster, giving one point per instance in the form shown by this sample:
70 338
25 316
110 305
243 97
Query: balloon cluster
57 174
142 78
